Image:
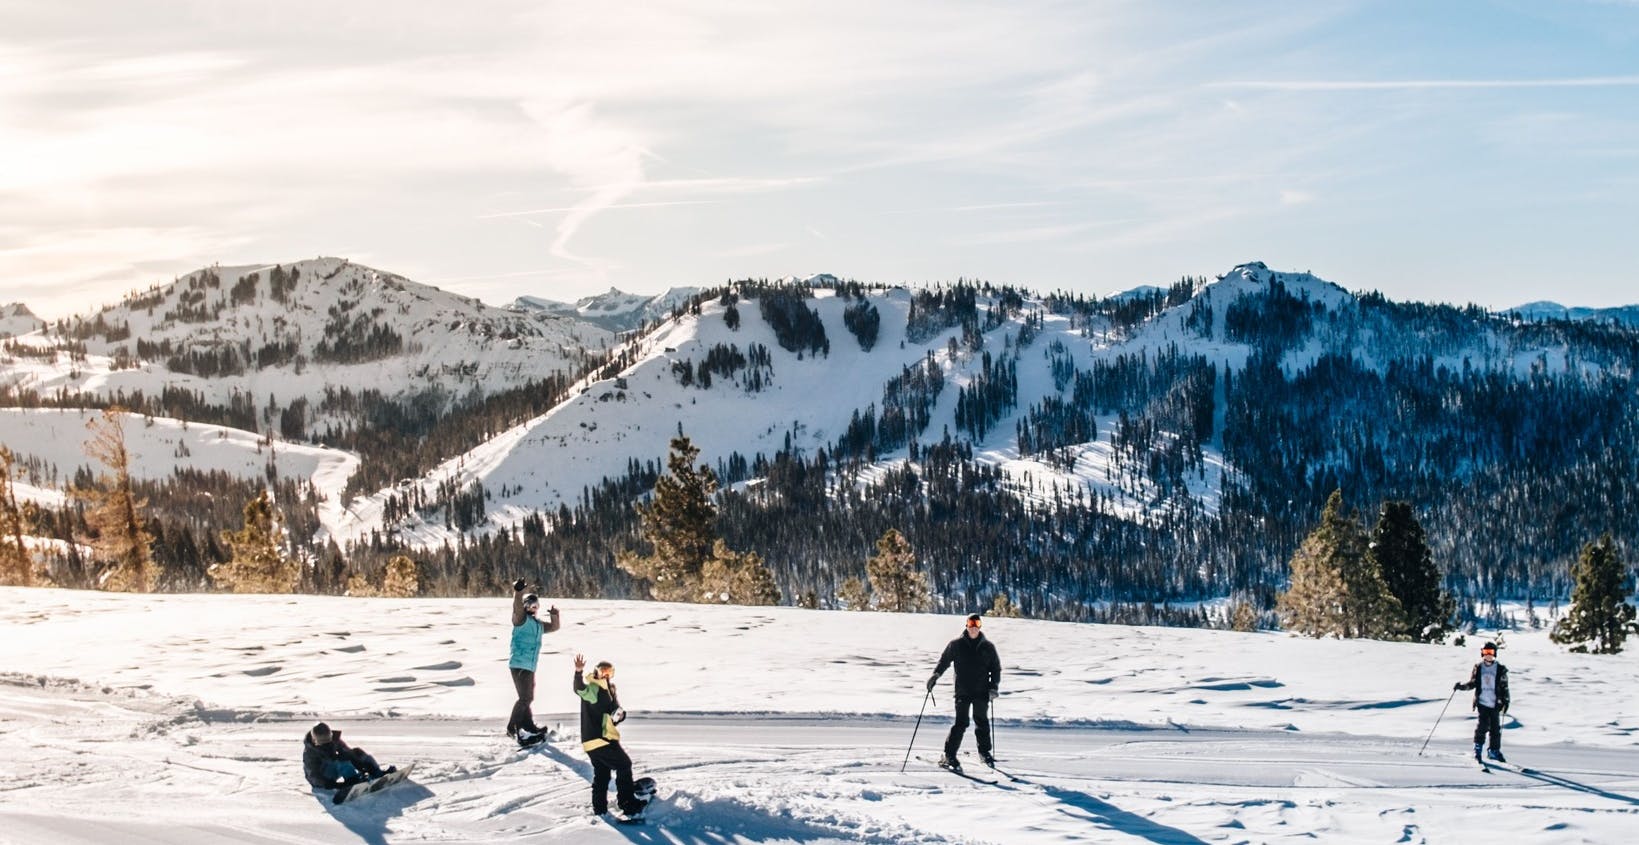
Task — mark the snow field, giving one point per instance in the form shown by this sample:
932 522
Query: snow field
179 718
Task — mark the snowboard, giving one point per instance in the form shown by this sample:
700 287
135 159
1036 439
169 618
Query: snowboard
359 790
643 789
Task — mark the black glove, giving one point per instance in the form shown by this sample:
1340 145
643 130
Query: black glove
518 585
620 716
992 693
1457 686
932 679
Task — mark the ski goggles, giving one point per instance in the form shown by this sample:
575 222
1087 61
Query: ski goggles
974 623
1488 652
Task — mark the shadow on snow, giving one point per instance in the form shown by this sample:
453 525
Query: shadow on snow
1559 780
367 817
720 821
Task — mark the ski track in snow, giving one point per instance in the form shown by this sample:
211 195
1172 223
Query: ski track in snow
179 719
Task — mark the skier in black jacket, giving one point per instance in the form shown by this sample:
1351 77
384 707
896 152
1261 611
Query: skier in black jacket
978 676
1489 681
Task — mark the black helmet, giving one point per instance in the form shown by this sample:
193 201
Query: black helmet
531 599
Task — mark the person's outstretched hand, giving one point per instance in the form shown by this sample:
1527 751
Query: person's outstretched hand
580 662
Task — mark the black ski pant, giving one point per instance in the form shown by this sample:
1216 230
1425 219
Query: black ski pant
523 718
1488 723
980 708
609 758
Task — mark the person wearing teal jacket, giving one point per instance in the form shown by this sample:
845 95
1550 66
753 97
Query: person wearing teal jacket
600 712
527 630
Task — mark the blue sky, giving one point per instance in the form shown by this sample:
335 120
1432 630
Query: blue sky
1466 151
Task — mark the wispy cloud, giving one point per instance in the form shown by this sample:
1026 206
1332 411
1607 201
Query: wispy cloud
565 208
1425 84
989 206
751 250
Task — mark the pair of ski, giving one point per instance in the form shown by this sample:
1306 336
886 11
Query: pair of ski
1487 765
972 777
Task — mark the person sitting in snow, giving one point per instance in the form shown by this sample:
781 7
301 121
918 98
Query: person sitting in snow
527 629
978 676
1489 681
330 763
600 712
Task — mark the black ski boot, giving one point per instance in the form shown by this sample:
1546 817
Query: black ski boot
948 762
1496 754
988 760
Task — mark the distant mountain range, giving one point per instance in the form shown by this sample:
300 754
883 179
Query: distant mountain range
615 310
1625 314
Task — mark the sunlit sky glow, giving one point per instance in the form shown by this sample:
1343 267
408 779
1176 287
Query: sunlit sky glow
1466 152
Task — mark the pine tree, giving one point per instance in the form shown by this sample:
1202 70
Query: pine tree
359 586
680 523
16 564
854 595
1336 588
1401 551
899 586
1003 606
1243 617
731 577
258 565
114 512
1372 611
1313 602
1600 613
401 580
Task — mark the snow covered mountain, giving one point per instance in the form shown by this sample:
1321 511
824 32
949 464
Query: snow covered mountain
740 389
615 310
1159 422
310 332
16 319
1545 310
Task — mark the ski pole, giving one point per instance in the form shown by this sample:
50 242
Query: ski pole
925 700
992 717
1437 721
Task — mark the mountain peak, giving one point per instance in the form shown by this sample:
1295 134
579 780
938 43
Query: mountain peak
616 310
16 319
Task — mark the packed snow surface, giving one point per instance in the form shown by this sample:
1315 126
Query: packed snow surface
179 718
